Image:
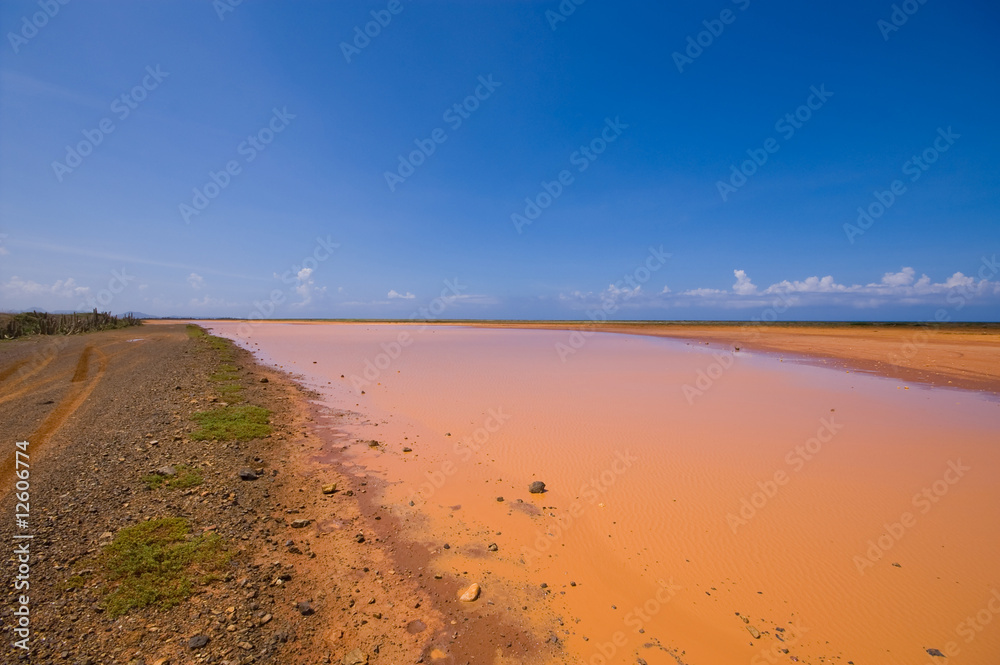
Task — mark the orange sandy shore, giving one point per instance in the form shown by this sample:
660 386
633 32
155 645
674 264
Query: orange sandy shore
702 506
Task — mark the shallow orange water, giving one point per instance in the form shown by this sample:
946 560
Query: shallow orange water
781 492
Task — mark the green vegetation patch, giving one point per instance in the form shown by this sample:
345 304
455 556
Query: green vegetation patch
187 476
223 375
240 422
231 391
159 563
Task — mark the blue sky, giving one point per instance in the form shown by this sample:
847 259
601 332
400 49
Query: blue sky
738 137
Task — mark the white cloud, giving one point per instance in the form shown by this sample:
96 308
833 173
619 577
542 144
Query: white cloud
959 280
743 285
808 285
901 287
196 281
63 288
306 288
701 293
395 294
902 278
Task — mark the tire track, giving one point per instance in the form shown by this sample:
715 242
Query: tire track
67 406
10 370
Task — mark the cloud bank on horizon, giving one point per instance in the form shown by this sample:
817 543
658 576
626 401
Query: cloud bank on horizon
340 160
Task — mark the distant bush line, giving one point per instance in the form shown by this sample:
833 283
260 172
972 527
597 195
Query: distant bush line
41 323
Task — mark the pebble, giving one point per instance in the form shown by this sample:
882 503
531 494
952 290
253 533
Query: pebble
330 489
299 524
355 657
470 594
247 474
167 471
198 641
493 547
536 487
305 608
935 652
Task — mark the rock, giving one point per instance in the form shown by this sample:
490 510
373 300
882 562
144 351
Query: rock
246 646
107 535
167 471
493 547
407 449
265 619
264 380
360 538
935 652
299 524
305 608
330 489
355 657
536 487
499 499
197 642
247 474
754 632
470 594
161 661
